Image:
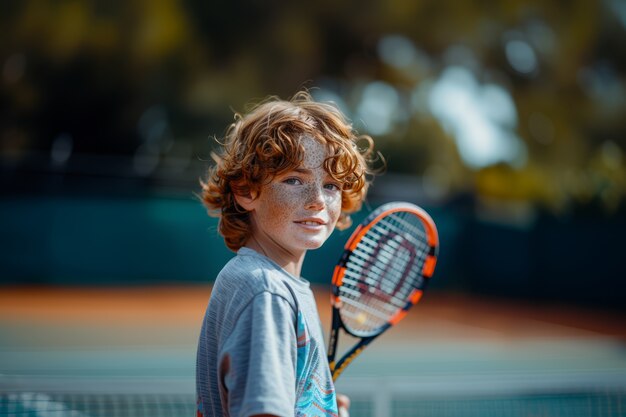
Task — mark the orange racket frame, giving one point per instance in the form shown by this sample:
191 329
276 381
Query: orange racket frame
428 268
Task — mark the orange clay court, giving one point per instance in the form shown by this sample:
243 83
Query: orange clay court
133 348
167 309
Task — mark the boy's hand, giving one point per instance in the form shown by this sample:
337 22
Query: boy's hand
343 404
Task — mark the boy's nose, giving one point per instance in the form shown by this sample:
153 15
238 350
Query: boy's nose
315 198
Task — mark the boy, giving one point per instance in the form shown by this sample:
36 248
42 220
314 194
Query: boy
288 173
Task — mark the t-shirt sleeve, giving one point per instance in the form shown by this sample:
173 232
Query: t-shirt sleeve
258 361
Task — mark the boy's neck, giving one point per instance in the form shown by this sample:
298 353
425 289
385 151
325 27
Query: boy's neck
288 261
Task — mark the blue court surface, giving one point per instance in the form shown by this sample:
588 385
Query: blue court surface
131 352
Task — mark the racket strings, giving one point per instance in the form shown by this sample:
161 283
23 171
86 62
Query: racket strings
404 223
382 271
353 313
356 275
364 302
418 241
366 315
388 296
376 243
390 251
385 308
390 255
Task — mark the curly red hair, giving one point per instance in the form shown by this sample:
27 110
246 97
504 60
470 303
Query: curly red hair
265 143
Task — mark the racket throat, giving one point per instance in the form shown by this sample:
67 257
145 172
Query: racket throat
337 369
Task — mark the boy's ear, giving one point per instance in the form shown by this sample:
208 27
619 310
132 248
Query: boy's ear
247 201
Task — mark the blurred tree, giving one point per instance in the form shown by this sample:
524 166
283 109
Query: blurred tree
150 80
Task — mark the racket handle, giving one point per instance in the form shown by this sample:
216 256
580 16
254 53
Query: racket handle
343 412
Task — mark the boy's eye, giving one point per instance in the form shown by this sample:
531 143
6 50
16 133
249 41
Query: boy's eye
292 181
333 187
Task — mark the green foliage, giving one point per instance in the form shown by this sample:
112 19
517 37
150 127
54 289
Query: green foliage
93 69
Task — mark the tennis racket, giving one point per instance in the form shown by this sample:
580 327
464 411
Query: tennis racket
382 273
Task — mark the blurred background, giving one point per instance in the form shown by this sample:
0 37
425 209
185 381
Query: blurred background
506 120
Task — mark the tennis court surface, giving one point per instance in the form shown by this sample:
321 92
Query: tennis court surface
131 352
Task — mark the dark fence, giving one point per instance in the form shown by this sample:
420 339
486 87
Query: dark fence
70 240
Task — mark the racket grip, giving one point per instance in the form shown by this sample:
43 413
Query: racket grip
343 412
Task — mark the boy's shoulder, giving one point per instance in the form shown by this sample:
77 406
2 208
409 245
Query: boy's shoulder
249 274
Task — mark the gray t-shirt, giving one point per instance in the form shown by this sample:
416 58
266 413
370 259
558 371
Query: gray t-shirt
261 347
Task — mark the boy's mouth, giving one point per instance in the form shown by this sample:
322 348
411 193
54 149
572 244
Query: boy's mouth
311 222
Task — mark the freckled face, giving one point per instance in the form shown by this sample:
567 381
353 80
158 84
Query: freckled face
299 209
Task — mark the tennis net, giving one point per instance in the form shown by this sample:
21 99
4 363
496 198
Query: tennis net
141 397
